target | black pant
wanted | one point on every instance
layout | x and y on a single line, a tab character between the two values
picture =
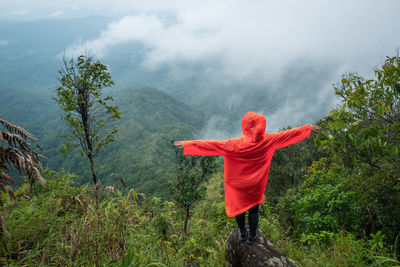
253	220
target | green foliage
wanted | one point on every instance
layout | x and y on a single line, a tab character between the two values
325	248
385	261
366	127
323	237
323	203
354	189
141	154
85	110
188	187
363	134
65	225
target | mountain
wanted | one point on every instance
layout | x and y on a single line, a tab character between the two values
30	56
142	153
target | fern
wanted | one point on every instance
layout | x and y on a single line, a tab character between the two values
16	151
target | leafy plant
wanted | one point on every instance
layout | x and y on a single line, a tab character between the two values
385	261
322	203
363	134
85	110
16	151
188	187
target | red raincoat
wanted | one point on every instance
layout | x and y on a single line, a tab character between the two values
247	159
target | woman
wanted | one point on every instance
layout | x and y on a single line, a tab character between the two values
247	161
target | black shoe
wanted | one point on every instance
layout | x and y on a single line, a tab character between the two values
251	239
242	236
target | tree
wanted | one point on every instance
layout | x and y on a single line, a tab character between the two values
86	111
188	187
323	202
366	126
363	133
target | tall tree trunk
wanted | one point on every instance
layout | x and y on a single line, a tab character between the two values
85	121
92	168
186	220
89	152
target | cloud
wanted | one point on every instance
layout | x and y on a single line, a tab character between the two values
56	13
127	29
213	129
20	12
4	42
263	37
257	44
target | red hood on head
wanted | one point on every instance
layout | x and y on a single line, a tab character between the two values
253	126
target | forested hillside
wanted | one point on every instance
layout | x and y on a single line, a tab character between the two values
141	154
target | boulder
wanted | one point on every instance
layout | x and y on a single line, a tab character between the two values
260	253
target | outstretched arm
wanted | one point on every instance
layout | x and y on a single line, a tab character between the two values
291	136
203	147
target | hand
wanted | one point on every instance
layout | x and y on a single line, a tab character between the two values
178	144
315	128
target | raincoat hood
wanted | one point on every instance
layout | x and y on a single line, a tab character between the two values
253	126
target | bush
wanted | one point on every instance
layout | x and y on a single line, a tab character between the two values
323	203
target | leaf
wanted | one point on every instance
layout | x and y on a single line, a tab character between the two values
4	226
39	177
395	150
8	178
18	154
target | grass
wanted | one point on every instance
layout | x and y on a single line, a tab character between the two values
64	225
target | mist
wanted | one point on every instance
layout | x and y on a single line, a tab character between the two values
288	52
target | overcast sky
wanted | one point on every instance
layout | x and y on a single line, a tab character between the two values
356	34
348	31
244	37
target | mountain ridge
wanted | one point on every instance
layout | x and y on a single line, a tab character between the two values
142	152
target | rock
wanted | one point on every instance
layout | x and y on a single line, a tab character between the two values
260	253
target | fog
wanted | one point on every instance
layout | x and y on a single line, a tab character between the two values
263	37
248	43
